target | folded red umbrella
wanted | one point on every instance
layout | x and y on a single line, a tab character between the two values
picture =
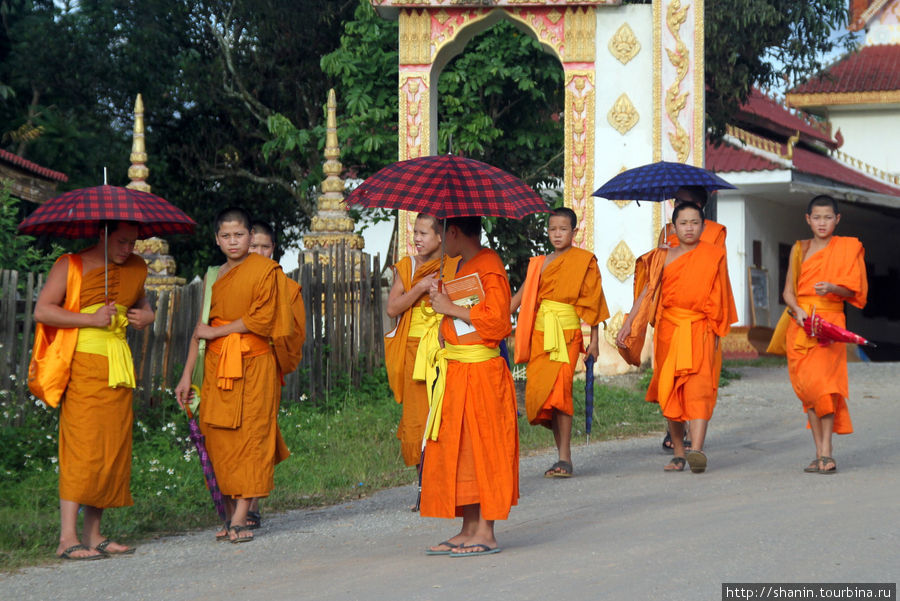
827	333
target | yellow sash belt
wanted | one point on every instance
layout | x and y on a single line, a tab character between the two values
802	342
110	342
553	319
680	358
421	320
436	376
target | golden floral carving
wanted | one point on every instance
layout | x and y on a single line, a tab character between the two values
676	100
621	261
415	37
613	325
581	26
579	152
623	116
442	17
624	45
554	16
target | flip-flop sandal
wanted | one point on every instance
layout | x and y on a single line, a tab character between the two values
812	468
445	543
239	537
823	461
67	554
697	461
254	520
560	469
667	445
104	548
485	550
677	464
224	536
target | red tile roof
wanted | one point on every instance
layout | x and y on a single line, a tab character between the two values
870	69
32	167
766	112
728	158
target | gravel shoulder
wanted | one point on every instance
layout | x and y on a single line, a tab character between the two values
621	529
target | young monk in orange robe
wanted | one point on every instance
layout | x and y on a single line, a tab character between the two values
694	311
471	466
714	233
288	349
561	290
409	300
96	412
832	272
240	392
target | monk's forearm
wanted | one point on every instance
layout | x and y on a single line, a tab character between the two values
235	327
403	302
457	312
516	300
57	317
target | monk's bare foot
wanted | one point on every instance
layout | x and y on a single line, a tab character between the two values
477	547
222	534
75	550
113	548
448	545
675	465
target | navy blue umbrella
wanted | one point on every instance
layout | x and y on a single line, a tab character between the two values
658	182
588	395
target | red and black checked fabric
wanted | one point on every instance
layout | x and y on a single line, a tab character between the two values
658	182
77	214
448	186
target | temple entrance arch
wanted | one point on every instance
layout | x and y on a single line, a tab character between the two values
634	94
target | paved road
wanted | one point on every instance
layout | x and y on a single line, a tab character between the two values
621	529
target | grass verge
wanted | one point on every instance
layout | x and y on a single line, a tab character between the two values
345	450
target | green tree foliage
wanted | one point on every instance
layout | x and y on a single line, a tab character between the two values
219	80
18	252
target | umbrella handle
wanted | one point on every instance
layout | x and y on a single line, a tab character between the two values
187	406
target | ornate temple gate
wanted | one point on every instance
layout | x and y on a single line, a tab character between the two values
634	94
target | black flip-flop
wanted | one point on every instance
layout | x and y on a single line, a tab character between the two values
67	554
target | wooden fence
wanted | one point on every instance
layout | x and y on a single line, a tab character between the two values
341	291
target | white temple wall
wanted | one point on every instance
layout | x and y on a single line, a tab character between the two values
869	135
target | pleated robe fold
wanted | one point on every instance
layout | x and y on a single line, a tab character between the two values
475	459
819	373
696	281
95	420
572	278
240	424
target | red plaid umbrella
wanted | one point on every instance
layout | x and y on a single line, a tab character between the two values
826	332
448	186
77	214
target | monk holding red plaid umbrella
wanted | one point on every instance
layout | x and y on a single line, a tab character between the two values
470	467
81	361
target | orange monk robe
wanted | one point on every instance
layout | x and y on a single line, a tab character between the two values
819	373
400	357
95	420
695	287
240	424
573	278
476	456
713	232
289	351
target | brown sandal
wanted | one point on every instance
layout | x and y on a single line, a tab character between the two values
812	468
676	465
242	534
825	460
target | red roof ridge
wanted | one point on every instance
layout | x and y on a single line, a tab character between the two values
15	159
870	68
787	121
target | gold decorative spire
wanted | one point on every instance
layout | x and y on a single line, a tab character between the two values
161	266
138	171
332	224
